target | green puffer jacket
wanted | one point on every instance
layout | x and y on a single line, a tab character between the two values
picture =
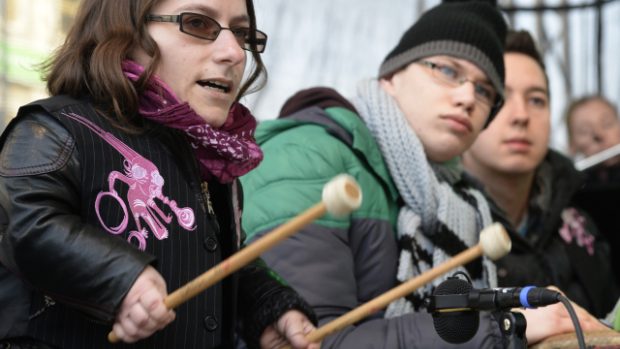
337	264
301	156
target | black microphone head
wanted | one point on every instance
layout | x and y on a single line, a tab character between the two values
455	326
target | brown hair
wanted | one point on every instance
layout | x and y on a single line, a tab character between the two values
103	34
521	41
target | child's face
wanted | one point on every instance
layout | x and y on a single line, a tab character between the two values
446	117
594	126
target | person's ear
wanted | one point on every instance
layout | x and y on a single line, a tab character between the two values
388	85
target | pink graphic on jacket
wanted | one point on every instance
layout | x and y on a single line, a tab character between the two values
574	227
145	185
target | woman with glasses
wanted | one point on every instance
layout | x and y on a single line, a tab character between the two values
122	186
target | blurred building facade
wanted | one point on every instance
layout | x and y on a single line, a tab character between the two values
29	31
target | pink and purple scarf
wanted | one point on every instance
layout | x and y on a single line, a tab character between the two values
224	153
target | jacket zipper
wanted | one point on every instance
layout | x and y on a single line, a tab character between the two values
204	186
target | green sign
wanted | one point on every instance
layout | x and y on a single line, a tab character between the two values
19	63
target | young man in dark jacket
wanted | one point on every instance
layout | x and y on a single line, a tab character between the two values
532	188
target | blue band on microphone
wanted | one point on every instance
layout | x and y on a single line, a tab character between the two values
523	296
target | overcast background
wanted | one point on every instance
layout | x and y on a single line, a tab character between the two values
337	42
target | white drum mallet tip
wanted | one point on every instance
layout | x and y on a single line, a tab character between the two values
495	241
341	195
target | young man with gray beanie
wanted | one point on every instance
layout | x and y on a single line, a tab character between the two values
401	138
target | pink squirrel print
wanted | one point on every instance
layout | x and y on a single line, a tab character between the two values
145	184
574	228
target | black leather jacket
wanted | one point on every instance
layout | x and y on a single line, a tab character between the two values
49	256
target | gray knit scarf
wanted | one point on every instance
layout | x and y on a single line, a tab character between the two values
442	216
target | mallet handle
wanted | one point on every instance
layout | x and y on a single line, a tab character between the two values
383	300
243	257
239	259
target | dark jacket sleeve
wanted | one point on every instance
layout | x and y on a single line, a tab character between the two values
264	296
594	281
45	241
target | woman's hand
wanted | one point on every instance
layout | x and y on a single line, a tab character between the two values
554	319
291	328
143	311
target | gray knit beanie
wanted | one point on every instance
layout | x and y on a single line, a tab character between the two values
470	30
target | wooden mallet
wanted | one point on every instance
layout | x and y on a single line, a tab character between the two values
494	243
340	196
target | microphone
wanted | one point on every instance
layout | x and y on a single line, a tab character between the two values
454	326
455	305
495	299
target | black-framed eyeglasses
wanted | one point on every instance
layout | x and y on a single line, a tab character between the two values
452	76
207	28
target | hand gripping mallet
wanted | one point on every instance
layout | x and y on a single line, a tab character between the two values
340	196
494	243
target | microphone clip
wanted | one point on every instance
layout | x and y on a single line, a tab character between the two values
512	325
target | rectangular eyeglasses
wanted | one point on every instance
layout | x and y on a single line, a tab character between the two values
207	28
452	76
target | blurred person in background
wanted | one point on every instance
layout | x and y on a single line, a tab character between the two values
593	126
593	130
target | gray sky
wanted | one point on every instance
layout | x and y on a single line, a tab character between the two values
336	42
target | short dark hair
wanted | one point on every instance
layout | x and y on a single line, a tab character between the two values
521	41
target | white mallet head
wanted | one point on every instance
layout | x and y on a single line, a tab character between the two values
495	241
341	195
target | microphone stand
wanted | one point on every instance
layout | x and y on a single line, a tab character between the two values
512	325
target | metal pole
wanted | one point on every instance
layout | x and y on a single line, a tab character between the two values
566	66
4	64
599	46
